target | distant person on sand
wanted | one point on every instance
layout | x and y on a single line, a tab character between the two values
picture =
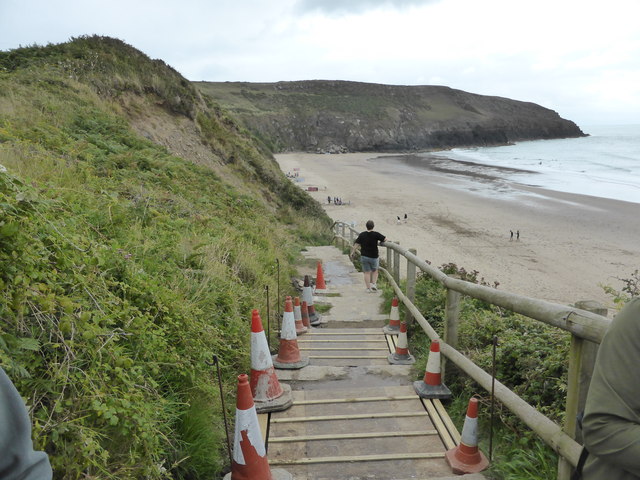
518	235
398	216
612	412
329	200
511	238
369	257
405	218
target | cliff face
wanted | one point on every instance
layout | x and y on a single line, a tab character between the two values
336	116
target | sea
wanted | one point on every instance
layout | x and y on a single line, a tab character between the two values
604	164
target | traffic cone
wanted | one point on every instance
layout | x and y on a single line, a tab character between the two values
249	453
321	287
297	315
432	386
307	295
268	394
394	319
289	354
402	355
304	311
467	457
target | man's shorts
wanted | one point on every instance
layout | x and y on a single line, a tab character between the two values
369	264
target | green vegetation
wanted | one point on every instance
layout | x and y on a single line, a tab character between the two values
124	268
340	116
630	289
531	360
304	98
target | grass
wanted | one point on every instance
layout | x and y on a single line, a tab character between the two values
531	360
124	268
319	115
323	307
516	452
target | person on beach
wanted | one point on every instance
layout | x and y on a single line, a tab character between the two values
369	256
510	239
611	423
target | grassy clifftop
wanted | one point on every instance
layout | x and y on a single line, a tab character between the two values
337	116
139	225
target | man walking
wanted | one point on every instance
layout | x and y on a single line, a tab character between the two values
369	257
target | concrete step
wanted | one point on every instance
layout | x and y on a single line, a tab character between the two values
355	416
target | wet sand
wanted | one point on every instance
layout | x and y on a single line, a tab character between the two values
462	213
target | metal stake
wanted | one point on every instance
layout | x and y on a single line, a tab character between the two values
493	384
266	287
224	410
278	266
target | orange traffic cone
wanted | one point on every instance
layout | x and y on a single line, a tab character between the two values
307	295
432	386
297	315
467	457
394	319
402	355
268	394
304	311
321	287
289	354
249	453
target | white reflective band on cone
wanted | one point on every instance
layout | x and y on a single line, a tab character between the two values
260	355
288	331
247	420
470	432
307	295
433	362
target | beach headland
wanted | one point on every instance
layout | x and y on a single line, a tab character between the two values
568	247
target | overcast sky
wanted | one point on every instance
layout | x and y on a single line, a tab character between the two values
578	57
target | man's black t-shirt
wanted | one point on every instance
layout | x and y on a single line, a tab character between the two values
368	242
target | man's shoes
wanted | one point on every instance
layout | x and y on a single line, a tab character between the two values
369	290
374	287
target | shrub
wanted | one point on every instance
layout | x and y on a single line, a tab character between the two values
531	360
124	269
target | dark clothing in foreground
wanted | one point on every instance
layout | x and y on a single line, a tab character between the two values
18	460
611	424
368	242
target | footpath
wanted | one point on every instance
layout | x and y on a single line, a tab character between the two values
355	416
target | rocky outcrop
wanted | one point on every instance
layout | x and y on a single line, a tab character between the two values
336	116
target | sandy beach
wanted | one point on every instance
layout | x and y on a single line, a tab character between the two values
569	244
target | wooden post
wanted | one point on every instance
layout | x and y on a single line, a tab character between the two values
582	358
411	287
451	321
396	266
389	262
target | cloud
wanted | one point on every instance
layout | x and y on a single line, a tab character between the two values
575	57
342	7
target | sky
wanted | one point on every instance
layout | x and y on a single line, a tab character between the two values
580	58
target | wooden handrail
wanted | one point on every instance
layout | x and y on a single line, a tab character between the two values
549	431
580	323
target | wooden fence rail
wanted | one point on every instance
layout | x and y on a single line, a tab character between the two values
587	328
